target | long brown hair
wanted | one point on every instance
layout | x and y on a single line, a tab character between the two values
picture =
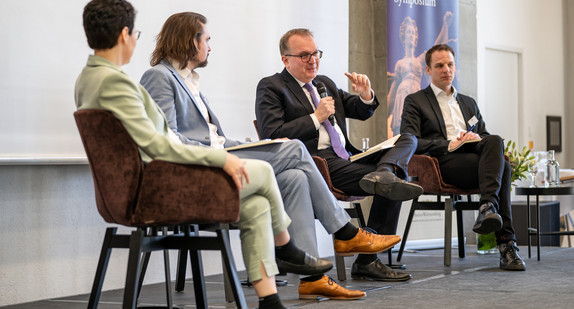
176	39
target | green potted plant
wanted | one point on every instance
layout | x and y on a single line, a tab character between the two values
519	161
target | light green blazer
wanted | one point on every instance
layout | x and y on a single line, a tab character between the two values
103	85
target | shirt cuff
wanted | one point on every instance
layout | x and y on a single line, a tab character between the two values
315	121
371	101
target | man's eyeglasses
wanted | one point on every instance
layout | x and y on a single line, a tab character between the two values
138	33
307	57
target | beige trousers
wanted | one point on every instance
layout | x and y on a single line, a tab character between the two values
261	217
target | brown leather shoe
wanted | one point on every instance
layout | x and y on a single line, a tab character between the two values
328	288
365	242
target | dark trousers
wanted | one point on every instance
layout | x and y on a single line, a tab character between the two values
345	176
483	165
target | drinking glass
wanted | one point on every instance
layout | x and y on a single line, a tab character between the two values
533	170
365	144
540	159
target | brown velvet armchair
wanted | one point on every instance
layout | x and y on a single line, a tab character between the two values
151	197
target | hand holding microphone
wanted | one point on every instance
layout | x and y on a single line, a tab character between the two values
323	94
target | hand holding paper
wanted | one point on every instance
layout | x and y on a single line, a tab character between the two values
465	137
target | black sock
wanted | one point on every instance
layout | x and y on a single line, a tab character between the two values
386	167
290	253
312	278
364	259
346	232
270	302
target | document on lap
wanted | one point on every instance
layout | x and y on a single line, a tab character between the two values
390	143
256	144
464	143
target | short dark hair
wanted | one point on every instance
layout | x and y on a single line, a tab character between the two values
283	42
176	39
104	20
435	49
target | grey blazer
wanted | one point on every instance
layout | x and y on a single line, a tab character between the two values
169	91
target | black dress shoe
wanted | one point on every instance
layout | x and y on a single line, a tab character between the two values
509	258
488	220
387	185
377	271
312	266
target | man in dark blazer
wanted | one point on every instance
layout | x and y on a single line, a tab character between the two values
442	120
288	105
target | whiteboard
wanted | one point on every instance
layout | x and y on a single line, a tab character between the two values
44	49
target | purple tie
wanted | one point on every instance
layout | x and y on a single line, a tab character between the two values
335	139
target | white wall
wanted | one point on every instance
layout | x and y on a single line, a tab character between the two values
50	231
44	48
535	29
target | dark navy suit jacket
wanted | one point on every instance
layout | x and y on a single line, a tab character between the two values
422	118
282	109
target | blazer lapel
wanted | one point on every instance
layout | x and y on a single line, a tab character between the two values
464	108
181	83
436	109
213	119
297	91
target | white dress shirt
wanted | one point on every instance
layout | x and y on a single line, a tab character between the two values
191	79
451	112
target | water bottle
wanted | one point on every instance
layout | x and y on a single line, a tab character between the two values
552	171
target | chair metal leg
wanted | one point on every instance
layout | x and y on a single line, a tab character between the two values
355	213
228	290
227	284
340	265
133	272
102	267
460	233
391	264
407	229
359	214
144	263
197	271
181	268
167	270
223	236
447	230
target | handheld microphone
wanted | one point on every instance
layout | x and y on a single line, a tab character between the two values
323	93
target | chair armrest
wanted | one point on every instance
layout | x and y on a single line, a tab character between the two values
427	170
324	170
178	193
